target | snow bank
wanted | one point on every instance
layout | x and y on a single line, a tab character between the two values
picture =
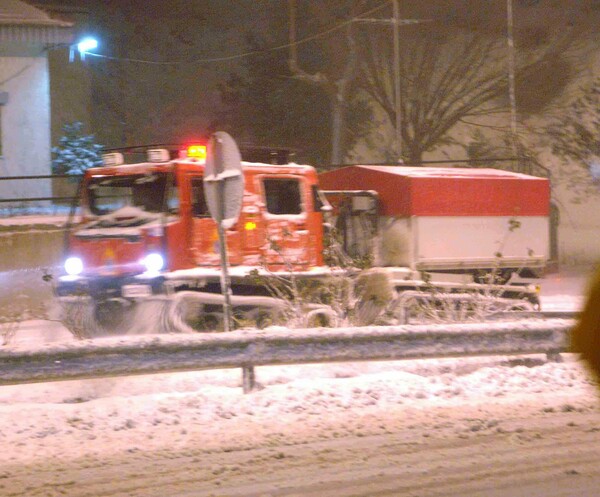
208	409
141	413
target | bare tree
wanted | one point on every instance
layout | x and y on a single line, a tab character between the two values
455	71
574	136
336	82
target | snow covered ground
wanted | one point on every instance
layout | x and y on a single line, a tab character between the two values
33	220
48	431
566	289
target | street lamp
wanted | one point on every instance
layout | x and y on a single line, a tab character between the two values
84	46
87	44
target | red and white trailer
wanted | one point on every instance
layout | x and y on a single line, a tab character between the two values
436	219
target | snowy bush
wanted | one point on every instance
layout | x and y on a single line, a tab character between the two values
76	152
26	298
307	302
21	308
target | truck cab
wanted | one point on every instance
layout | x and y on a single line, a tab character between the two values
143	231
153	215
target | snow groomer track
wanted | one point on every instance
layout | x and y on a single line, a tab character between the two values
547	333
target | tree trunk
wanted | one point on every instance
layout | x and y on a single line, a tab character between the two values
337	88
337	122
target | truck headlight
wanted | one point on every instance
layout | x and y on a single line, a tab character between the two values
73	266
153	263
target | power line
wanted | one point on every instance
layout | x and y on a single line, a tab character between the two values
245	54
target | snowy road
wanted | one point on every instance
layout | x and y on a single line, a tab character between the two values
470	427
433	428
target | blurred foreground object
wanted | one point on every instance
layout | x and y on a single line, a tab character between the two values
586	335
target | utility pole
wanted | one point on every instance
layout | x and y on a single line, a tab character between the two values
396	22
397	95
511	77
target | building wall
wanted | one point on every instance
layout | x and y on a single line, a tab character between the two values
25	123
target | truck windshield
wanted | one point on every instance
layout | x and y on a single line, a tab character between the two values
145	192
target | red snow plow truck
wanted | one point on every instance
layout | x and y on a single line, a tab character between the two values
363	244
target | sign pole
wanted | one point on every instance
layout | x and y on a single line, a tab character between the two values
225	280
223	189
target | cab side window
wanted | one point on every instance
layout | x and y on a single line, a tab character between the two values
282	196
199	207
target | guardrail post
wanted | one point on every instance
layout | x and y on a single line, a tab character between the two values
248	378
554	356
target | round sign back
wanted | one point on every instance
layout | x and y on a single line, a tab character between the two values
223	179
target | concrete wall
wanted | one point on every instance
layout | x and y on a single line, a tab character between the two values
27	253
31	247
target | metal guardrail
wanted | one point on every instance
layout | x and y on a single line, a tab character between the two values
108	357
57	198
41	176
519	315
35	199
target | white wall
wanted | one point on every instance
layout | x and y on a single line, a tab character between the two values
579	227
25	125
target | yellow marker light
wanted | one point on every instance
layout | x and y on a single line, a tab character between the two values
109	255
250	225
197	152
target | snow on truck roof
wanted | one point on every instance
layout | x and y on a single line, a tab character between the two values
134	168
444	172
